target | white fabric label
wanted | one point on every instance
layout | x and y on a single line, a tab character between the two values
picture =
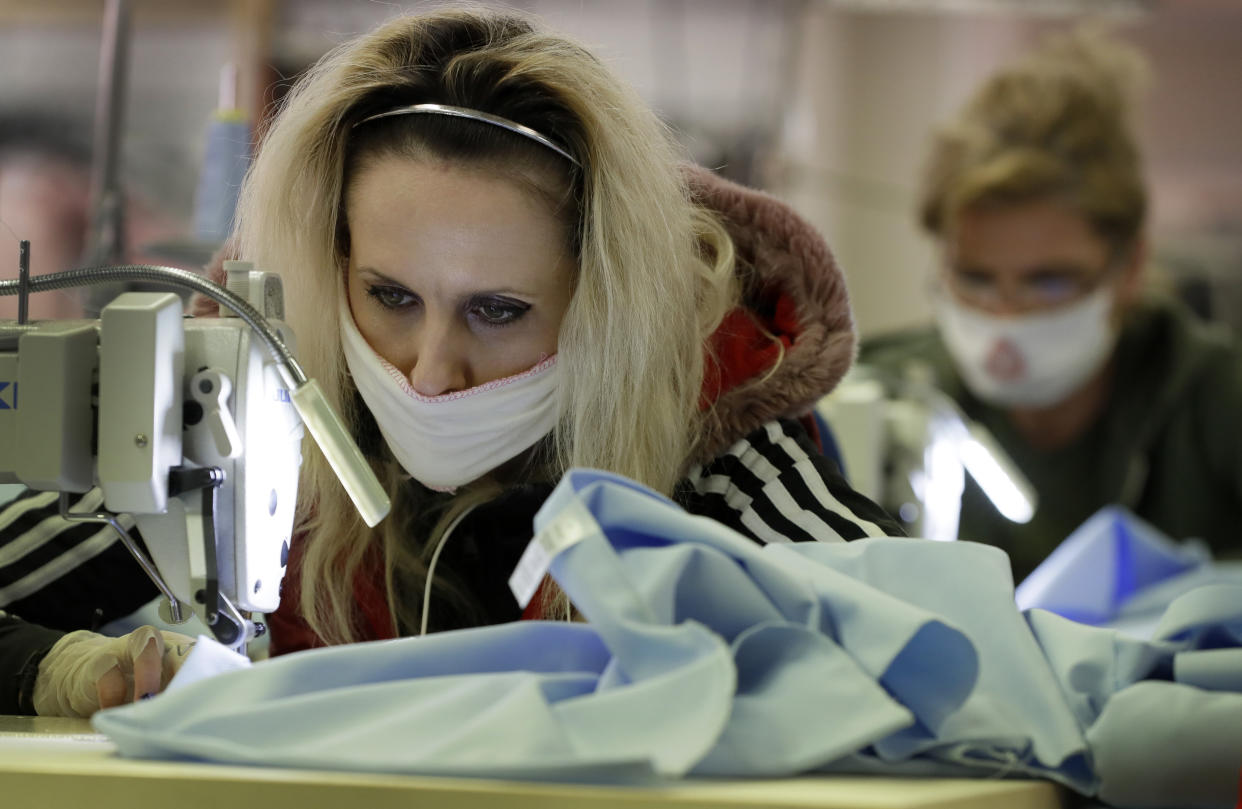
570	527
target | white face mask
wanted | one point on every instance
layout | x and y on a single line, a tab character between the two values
1030	360
447	441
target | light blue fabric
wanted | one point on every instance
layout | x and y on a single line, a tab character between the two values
1161	744
502	701
1014	718
1109	561
708	654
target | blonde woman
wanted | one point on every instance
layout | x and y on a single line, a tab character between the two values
1102	392
495	264
496	268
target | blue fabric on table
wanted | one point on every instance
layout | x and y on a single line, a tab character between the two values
708	654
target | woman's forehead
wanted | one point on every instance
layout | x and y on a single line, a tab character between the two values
409	217
1024	236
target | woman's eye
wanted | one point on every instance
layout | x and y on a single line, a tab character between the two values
498	313
1053	288
1055	285
391	297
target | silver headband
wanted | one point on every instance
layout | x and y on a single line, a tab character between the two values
474	115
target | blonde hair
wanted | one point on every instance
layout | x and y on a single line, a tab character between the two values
654	275
1053	125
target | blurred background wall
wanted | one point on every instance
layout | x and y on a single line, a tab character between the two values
826	103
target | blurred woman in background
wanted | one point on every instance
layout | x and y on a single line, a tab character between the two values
1102	391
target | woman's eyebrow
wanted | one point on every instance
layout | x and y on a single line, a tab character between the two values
381	276
517	295
971	268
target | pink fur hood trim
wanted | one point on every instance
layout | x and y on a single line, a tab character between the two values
779	254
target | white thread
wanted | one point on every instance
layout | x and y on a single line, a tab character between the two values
431	567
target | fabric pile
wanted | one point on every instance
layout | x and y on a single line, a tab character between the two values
706	654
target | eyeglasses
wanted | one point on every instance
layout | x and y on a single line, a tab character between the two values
1043	288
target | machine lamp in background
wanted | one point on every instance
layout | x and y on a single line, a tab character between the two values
1008	489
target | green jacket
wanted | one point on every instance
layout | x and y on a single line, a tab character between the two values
1168	445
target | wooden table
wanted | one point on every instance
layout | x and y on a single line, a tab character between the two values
49	763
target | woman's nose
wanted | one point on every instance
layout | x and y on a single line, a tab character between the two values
439	365
1006	300
1005	306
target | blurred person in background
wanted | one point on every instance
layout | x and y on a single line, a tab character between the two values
1100	389
45	198
45	178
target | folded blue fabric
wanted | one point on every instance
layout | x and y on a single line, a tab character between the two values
704	654
1104	564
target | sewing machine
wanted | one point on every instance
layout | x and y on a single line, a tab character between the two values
192	427
906	445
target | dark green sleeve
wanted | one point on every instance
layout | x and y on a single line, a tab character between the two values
22	647
1228	426
1218	409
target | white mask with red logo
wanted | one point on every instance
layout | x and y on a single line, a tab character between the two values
1028	360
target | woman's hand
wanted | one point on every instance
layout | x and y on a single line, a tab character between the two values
85	671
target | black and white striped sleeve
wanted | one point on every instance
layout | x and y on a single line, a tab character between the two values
775	486
66	575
